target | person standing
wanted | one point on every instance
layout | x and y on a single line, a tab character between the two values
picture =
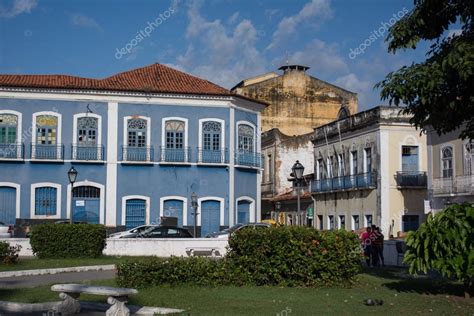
379	242
367	245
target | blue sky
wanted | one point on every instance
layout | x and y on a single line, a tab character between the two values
223	41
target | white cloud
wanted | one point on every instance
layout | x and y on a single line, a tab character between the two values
233	18
319	9
363	88
454	32
82	20
324	59
19	7
225	56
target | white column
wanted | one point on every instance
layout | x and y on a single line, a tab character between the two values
258	210
231	165
112	158
384	163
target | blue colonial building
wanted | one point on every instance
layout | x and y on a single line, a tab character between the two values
142	141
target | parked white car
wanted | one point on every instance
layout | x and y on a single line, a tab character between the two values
6	231
226	233
131	232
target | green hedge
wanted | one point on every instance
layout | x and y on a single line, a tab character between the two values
284	256
68	240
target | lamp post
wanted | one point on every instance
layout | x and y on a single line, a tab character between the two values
194	204
297	173
72	175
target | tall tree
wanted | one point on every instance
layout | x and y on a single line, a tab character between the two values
439	92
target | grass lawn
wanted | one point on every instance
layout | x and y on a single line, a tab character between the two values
402	295
34	263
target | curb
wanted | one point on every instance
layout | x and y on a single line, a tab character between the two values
9	274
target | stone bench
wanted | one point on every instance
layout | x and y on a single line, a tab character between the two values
69	293
205	251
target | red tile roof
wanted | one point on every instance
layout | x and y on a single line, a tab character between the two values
155	78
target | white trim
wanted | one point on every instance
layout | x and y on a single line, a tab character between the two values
211	198
148	134
353	221
33	198
111	181
19	129
231	165
185	206
99	131
17	197
58	132
140	197
163	135
200	144
258	213
101	187
453	148
382	213
251	207
254	134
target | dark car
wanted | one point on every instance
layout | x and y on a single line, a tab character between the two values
162	232
232	230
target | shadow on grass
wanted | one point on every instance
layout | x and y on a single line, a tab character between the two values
431	283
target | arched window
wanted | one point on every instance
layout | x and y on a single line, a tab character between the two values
175	134
87	128
246	138
46	130
8	128
211	135
447	161
343	113
47	136
137	132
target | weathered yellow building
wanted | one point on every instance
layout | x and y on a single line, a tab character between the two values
298	101
370	169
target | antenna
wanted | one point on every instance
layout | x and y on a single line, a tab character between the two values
287	57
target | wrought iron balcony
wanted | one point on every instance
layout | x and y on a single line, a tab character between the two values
412	179
248	159
137	154
87	153
13	151
172	155
47	152
351	182
453	185
213	156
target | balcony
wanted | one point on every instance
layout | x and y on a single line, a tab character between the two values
411	179
351	182
137	154
248	159
14	151
175	155
47	152
207	156
453	185
88	153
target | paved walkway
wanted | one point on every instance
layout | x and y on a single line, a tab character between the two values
69	277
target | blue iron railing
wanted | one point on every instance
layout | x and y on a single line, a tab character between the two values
249	159
175	154
47	152
87	153
12	151
358	181
213	156
137	154
412	179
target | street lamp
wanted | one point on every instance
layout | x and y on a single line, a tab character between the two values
297	173
72	175
194	204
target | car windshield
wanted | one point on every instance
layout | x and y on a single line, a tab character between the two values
233	228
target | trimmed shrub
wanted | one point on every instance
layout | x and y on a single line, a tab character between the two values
68	241
172	271
9	254
293	256
284	256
